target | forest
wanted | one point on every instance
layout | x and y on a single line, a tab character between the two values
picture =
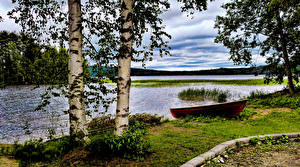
24	61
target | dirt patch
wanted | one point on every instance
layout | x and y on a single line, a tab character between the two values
75	157
262	112
283	155
8	162
282	159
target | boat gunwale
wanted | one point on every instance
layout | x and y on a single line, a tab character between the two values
209	105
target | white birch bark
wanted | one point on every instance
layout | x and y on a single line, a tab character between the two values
78	125
124	64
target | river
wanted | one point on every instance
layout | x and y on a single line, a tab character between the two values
17	103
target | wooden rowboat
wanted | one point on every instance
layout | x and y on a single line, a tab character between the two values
229	109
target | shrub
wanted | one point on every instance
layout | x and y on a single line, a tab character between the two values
30	151
36	151
56	148
130	145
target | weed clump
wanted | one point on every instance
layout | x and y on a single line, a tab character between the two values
36	150
202	94
130	145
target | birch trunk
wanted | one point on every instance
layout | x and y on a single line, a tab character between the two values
124	65
287	63
78	126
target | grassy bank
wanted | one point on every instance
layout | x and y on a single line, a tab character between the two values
177	141
185	82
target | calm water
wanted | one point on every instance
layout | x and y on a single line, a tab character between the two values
17	105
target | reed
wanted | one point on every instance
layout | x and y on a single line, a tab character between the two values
202	94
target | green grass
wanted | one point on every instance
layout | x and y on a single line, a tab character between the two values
202	94
175	142
185	82
277	99
186	140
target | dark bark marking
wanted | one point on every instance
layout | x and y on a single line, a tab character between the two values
75	39
124	115
123	126
74	51
128	83
78	27
73	107
123	6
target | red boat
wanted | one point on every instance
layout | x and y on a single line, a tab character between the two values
229	109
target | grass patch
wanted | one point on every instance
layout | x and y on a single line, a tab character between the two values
159	84
277	99
186	82
202	94
194	139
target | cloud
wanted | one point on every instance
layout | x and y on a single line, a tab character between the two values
7	24
192	42
6	4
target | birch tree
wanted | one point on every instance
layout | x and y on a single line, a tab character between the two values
117	37
46	20
124	65
77	115
135	15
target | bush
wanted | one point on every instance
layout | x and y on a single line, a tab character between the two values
36	150
55	149
30	151
130	145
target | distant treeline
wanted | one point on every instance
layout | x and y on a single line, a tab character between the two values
220	71
24	61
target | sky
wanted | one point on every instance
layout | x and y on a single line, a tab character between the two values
192	42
